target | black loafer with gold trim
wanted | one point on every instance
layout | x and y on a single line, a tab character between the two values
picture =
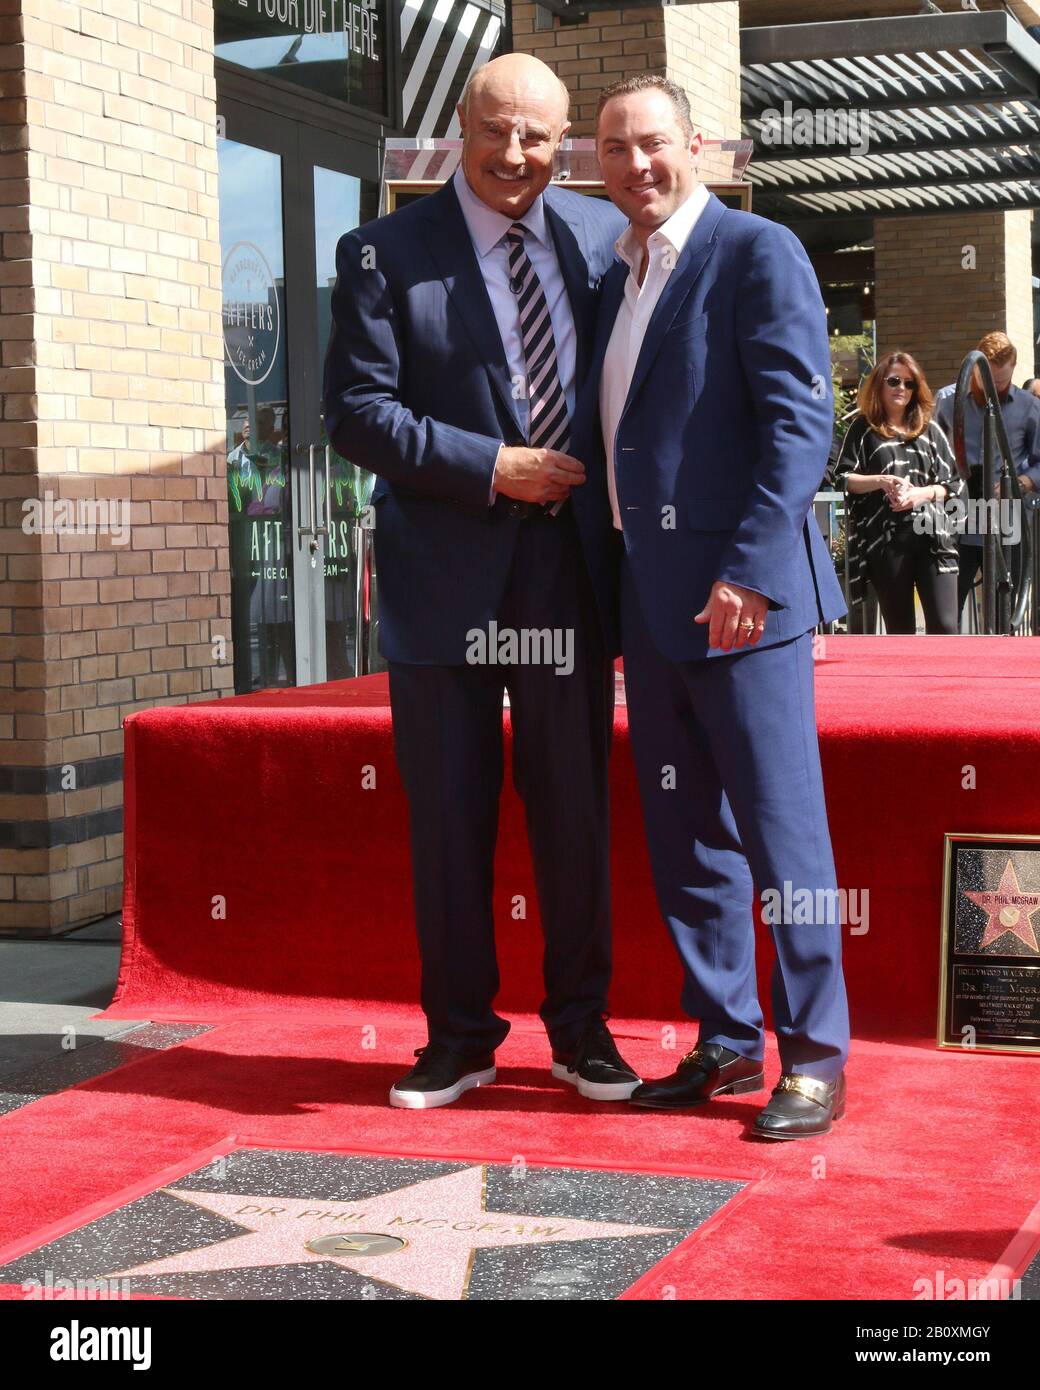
801	1108
709	1070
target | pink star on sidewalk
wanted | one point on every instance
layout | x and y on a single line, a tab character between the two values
442	1220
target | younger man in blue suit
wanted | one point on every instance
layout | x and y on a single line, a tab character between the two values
706	419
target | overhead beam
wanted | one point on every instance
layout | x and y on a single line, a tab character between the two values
792	214
884	149
908	181
866	38
786	209
946	100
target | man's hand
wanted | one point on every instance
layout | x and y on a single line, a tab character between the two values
737	616
536	475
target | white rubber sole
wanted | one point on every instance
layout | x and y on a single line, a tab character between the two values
594	1090
429	1100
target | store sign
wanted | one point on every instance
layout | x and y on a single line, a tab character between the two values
335	47
356	20
251	316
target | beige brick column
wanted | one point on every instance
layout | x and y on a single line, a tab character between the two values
942	282
696	45
111	378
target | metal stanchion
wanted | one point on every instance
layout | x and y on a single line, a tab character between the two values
362	596
1004	599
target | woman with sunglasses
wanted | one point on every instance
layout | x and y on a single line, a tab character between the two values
897	470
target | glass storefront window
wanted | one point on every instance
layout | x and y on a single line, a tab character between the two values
337	48
256	396
350	639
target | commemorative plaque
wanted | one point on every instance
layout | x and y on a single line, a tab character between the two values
989	988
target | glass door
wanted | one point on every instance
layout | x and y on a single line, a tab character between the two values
350	624
301	590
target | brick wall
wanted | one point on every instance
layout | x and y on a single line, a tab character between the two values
696	46
703	48
111	377
930	305
1018	295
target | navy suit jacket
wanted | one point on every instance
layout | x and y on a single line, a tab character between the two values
725	433
417	390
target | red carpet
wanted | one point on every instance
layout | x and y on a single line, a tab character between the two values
259	802
930	1175
258	805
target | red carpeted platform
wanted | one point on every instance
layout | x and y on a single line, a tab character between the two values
268	894
265	873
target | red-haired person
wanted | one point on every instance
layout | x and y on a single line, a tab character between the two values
897	470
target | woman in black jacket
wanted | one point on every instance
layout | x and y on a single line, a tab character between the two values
897	470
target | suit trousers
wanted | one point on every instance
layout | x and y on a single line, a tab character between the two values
448	740
728	764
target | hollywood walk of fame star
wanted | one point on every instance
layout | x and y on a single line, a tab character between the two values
443	1220
1009	910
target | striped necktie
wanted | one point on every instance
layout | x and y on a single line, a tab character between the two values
548	424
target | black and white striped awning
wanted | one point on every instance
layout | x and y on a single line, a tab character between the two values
927	114
442	43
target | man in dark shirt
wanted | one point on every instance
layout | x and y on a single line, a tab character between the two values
1021	411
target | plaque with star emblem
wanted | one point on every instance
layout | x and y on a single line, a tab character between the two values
989	985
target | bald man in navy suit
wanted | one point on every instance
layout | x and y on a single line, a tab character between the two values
462	328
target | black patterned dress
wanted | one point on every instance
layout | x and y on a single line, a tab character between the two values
869	520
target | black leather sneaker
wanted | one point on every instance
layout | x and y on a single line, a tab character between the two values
440	1076
595	1066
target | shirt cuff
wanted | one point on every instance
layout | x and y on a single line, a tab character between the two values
491	494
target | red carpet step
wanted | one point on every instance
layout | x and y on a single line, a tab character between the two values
267	857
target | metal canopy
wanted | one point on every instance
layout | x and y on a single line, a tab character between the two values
918	115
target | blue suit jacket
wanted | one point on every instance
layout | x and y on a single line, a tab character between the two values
417	390
725	433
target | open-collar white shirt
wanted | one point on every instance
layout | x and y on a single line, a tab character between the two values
664	246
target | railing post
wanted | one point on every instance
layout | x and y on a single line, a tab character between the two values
999	613
989	537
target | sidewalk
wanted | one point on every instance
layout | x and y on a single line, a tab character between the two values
48	991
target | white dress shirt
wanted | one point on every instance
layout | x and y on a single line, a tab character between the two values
664	246
487	230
